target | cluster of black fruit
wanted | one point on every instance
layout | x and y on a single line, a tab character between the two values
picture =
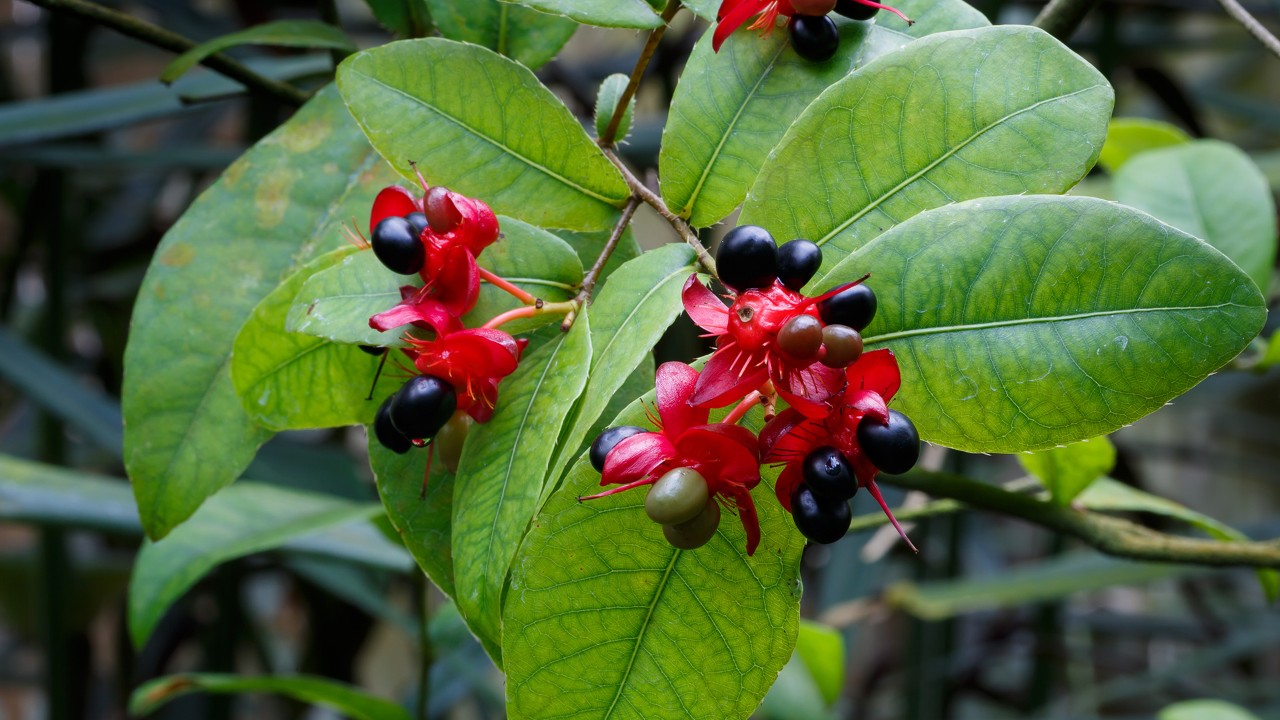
749	259
680	501
813	34
397	241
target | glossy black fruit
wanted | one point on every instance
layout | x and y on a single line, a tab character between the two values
894	448
386	433
372	349
814	37
450	439
855	308
813	7
747	258
422	406
798	260
822	521
417	221
855	10
801	337
827	473
696	532
606	441
677	497
441	213
397	246
843	344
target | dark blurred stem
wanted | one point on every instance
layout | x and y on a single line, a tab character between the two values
1060	18
329	14
1049	651
423	593
161	38
655	36
1250	23
54	576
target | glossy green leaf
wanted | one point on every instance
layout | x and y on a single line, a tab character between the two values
1205	710
502	473
424	521
1066	471
285	33
608	620
731	108
526	36
288	380
605	13
51	495
821	648
1127	137
246	519
482	125
1021	323
337	303
1211	190
607	104
971	113
186	433
629	316
1108	495
348	700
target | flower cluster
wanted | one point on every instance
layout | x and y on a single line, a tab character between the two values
772	342
814	36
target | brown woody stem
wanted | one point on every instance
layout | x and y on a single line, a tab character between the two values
655	36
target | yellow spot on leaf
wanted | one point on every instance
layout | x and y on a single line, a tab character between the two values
271	200
306	137
177	255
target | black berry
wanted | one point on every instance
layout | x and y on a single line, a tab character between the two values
855	308
747	258
386	433
606	441
798	260
822	521
855	10
397	246
843	344
827	473
422	406
894	448
814	37
372	349
417	221
677	497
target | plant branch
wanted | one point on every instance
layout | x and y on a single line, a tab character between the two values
655	35
1111	535
589	280
167	40
1250	23
1060	18
650	198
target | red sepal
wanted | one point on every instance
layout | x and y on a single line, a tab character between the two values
728	376
636	458
675	382
704	308
392	201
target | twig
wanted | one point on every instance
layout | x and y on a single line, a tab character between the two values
589	280
1111	535
1250	23
1060	18
655	35
650	198
165	39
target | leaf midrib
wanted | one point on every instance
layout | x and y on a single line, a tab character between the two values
974	327
945	156
644	627
494	142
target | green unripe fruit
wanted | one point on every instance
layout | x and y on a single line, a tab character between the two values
844	346
677	497
696	532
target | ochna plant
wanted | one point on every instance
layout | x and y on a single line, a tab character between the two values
905	267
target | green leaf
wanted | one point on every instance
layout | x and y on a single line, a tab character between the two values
246	519
1211	190
50	495
484	126
287	380
589	244
821	648
1127	137
424	522
526	36
731	108
286	33
404	18
1271	357
794	696
605	13
629	316
502	471
705	9
607	104
1205	710
349	701
999	110
337	303
1021	323
187	434
1108	495
1066	471
608	620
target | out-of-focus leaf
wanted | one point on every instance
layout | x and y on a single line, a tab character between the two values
607	104
348	700
245	519
1127	137
527	36
285	33
186	432
1211	190
605	13
482	125
794	696
1205	710
49	495
405	18
1066	471
821	648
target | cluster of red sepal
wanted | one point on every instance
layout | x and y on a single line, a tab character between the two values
813	34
